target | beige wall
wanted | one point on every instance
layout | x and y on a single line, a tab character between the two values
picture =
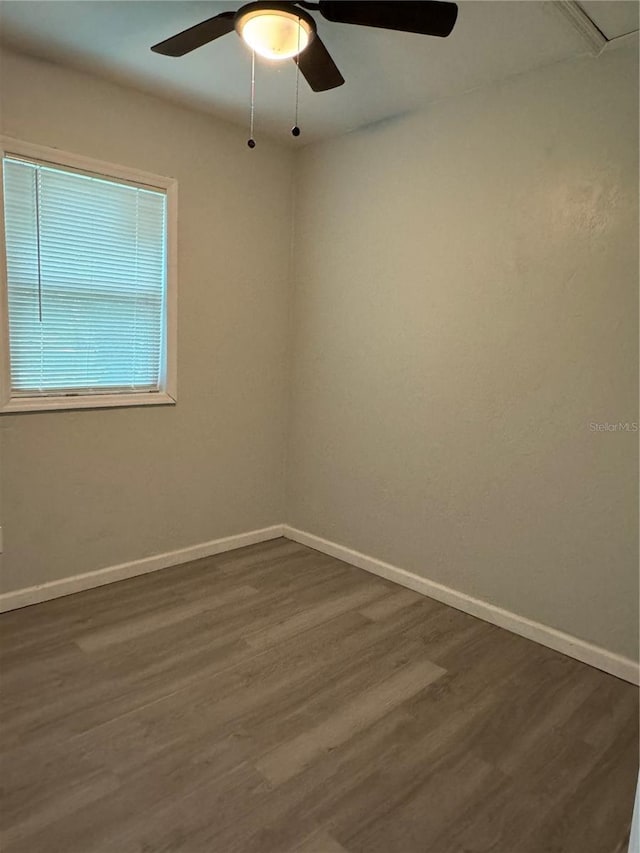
87	489
466	305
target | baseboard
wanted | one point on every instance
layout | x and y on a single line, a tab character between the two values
66	586
596	656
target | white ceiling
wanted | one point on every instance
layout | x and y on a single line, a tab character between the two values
387	73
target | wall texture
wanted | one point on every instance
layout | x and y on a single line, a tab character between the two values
466	306
88	489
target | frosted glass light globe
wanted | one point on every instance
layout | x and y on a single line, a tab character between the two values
275	34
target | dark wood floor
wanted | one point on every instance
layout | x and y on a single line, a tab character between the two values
273	700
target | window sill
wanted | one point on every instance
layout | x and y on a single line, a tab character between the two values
86	401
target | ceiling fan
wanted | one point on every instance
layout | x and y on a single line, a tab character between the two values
287	31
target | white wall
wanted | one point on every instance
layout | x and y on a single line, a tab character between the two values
466	305
88	489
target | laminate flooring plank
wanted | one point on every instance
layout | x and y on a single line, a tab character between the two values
216	708
308	673
584	817
522	724
100	696
411	763
167	802
391	604
443	633
320	842
35	673
266	822
277	689
347	786
612	708
109	691
508	815
222	627
197	820
312	616
159	620
289	759
441	729
429	804
140	717
114	602
270	554
32	782
325	691
63	802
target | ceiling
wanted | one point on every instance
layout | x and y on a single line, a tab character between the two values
613	19
387	73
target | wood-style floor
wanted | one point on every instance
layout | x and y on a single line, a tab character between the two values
273	700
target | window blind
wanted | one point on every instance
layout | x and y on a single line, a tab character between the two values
86	276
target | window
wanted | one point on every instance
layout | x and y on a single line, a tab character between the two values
88	301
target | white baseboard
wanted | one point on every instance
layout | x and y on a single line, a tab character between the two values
596	656
77	583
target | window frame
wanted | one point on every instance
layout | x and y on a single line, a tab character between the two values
167	395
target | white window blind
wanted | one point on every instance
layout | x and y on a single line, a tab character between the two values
86	277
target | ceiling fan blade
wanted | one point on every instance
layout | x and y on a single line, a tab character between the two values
431	18
317	67
196	36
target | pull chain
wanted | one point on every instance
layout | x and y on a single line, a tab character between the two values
295	130
251	142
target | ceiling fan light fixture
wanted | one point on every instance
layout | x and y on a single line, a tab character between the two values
275	31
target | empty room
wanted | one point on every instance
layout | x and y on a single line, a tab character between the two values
319	421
